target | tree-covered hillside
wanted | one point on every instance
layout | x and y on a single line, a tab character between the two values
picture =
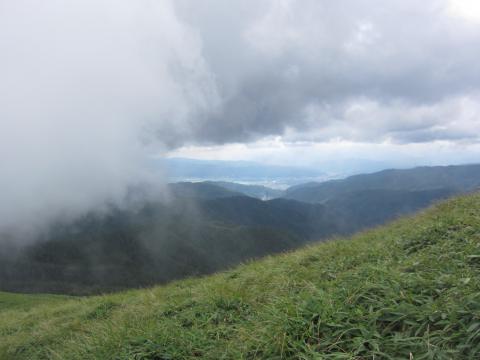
161	241
202	229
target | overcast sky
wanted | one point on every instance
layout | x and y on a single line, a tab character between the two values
90	88
295	76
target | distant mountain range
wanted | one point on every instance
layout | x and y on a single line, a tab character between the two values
219	189
207	226
184	169
459	178
180	169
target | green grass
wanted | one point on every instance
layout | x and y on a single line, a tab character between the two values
19	302
409	290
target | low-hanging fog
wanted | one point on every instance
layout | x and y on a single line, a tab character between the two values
90	89
87	89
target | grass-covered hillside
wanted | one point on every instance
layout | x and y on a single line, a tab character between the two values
409	290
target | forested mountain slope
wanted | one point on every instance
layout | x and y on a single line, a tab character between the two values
161	241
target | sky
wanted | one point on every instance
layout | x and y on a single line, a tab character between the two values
392	81
90	89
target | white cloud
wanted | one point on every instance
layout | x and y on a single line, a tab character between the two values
338	156
81	83
368	120
467	9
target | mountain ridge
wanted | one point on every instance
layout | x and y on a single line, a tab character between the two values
459	177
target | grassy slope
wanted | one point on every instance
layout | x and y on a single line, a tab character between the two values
408	288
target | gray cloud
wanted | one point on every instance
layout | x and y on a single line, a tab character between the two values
283	57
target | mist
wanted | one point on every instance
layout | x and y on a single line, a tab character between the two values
87	93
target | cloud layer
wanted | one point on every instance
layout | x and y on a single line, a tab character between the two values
315	65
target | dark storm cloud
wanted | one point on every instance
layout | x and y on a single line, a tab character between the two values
285	56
